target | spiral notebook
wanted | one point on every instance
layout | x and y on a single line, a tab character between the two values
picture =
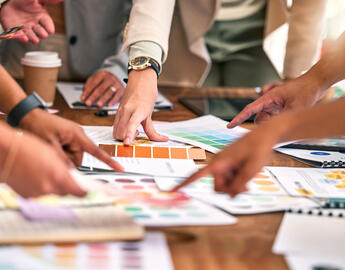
316	232
316	158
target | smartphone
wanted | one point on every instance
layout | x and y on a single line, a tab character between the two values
224	108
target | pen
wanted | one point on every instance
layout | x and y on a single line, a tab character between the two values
105	113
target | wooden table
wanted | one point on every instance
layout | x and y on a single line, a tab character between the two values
245	245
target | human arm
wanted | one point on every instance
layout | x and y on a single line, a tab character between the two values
304	91
35	172
32	15
149	21
233	167
65	136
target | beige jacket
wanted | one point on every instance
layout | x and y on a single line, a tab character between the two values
292	35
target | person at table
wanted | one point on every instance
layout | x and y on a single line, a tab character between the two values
233	167
87	36
198	26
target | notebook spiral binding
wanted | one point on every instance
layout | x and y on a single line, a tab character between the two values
333	208
333	164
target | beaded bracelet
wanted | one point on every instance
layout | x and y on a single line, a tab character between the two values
12	153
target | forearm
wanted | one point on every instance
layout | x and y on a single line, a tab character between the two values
331	68
10	92
321	121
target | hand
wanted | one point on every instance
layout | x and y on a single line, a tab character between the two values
301	92
32	15
68	138
38	169
136	107
233	167
98	88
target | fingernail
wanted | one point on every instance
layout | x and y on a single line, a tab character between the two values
127	141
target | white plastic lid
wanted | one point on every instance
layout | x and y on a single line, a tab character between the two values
41	59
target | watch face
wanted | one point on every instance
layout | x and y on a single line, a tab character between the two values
139	61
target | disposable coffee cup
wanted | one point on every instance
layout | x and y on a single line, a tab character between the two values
40	74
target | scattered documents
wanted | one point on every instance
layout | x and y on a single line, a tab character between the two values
71	92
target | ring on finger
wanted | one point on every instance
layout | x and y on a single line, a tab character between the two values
113	89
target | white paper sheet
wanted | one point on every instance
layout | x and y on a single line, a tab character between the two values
152	253
302	262
314	235
71	92
154	167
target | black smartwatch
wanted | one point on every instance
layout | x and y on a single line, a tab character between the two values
24	107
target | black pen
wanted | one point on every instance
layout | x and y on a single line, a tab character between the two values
105	113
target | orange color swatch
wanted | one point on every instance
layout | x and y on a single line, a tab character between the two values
178	153
143	152
160	152
124	151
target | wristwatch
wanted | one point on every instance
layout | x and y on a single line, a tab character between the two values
143	62
24	107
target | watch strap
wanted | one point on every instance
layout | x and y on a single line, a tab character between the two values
24	107
155	67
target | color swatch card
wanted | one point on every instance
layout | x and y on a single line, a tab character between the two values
260	201
303	262
151	207
323	159
71	92
207	132
148	151
311	182
154	166
152	253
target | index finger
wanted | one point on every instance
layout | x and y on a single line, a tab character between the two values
247	112
195	176
91	148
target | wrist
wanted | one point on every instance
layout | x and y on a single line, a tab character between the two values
30	118
278	128
146	74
